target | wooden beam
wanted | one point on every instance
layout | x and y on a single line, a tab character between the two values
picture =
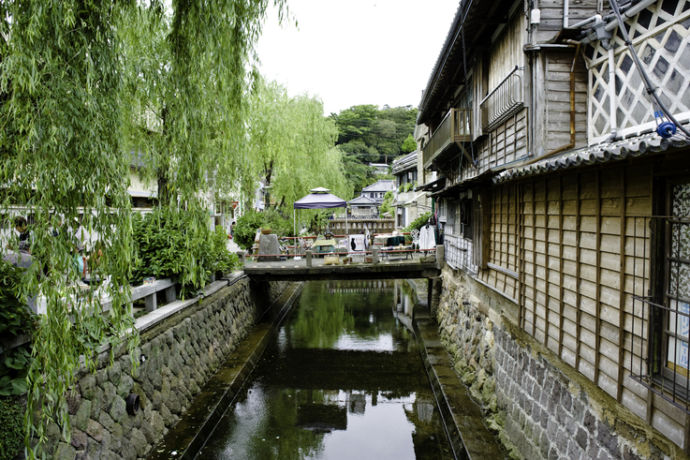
534	259
578	297
597	287
520	223
621	290
546	263
560	256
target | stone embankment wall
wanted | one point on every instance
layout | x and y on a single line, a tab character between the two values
540	408
177	357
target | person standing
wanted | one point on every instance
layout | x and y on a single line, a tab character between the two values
23	234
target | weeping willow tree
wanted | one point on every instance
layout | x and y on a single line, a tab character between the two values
291	145
85	86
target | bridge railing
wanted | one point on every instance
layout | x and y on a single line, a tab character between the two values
373	255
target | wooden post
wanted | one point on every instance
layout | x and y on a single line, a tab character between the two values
375	255
308	253
520	224
578	296
434	295
440	255
621	292
547	309
561	304
534	259
597	287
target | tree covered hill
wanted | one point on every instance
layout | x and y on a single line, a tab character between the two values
367	134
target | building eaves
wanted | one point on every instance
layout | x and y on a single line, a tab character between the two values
596	154
470	25
432	186
405	163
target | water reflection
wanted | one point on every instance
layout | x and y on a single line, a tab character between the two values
343	380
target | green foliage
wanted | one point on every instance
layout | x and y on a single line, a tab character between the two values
222	260
12	433
418	222
406	187
15	320
245	228
60	102
358	174
409	145
290	146
386	208
82	84
372	134
14	367
178	245
250	222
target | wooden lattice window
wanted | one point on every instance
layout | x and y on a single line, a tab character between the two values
661	36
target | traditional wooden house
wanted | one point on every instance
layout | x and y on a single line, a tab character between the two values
564	198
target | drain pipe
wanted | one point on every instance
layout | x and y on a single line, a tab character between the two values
613	123
611	22
593	19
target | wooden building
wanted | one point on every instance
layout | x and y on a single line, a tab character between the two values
409	203
566	220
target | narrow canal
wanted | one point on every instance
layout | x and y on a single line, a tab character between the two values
343	379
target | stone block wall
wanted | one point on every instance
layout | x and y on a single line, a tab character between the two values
538	405
176	358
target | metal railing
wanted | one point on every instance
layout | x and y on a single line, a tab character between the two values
458	252
660	339
503	100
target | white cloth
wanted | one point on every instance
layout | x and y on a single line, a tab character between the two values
427	239
356	243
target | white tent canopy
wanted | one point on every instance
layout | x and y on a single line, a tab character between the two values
319	198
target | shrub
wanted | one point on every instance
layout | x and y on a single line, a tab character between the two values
174	244
12	433
250	222
418	222
181	246
387	205
15	320
222	260
245	228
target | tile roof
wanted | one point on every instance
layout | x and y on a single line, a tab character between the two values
363	201
595	154
380	186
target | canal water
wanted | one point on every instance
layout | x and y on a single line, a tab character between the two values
343	379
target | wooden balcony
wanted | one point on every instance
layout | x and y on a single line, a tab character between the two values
455	128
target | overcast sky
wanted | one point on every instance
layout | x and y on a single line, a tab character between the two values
350	52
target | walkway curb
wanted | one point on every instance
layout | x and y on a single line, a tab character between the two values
462	417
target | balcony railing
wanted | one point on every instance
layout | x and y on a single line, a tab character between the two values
458	252
456	127
503	101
